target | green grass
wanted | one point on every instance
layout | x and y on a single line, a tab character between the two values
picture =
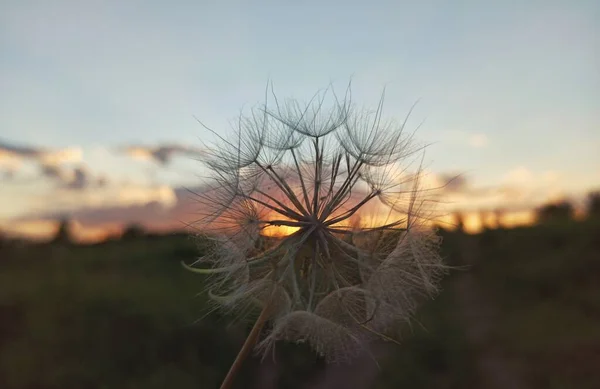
117	315
546	284
125	315
433	351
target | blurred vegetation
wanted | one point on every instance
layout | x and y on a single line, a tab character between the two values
63	234
555	213
545	282
133	231
124	314
593	205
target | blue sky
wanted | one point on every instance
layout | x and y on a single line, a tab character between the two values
505	86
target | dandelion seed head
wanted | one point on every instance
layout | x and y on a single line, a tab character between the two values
285	212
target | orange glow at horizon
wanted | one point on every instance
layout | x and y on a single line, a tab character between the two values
41	230
473	223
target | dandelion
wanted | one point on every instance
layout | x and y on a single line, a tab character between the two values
315	215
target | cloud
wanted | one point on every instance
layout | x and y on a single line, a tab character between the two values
519	175
80	180
14	154
518	189
478	140
452	182
161	154
156	207
8	151
53	171
113	195
107	210
464	138
7	174
73	178
53	164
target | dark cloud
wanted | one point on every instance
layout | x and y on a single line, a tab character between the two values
80	179
38	154
53	171
21	151
54	165
74	178
162	154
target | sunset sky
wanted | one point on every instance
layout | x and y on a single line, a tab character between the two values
98	98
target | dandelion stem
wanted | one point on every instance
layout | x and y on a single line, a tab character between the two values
247	346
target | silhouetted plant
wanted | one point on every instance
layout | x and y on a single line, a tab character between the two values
555	213
133	231
593	205
301	173
484	221
459	222
63	233
499	218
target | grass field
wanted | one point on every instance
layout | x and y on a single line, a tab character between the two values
523	305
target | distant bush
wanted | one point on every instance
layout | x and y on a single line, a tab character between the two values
3	240
593	205
133	231
63	233
459	222
555	213
499	217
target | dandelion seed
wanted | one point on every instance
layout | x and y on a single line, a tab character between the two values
284	212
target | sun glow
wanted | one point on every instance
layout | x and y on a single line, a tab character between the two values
283	231
279	231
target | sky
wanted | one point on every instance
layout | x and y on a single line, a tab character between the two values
99	99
